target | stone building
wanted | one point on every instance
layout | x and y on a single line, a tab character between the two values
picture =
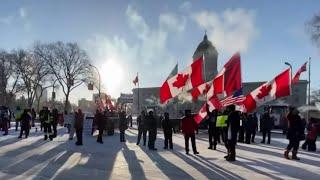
149	97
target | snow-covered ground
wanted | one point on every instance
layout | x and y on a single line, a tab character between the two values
34	158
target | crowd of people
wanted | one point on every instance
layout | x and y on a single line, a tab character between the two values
229	125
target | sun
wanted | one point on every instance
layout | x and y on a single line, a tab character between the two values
111	76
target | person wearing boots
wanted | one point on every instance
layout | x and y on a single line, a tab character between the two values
167	131
100	124
266	124
123	125
213	131
242	129
233	124
142	129
47	123
295	133
5	119
25	123
152	129
78	125
251	127
189	126
55	118
313	130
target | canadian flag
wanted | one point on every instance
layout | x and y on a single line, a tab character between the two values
302	69
226	82
188	79
280	86
202	89
228	79
213	104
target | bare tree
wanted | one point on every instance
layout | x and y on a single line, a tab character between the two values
313	27
33	72
68	63
9	78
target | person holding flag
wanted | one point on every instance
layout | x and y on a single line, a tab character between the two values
233	125
188	126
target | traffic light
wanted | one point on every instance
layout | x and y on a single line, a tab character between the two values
53	95
90	86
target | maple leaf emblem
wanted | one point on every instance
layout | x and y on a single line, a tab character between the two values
264	91
206	89
181	80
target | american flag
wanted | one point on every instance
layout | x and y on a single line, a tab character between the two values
236	98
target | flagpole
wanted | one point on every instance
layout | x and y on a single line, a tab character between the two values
309	89
138	93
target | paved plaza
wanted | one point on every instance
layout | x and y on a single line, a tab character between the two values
34	158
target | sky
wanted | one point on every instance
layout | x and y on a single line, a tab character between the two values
150	37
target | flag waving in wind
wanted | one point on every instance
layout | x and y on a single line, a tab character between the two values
136	80
302	69
228	79
184	81
280	86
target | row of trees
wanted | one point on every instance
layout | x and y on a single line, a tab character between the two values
30	72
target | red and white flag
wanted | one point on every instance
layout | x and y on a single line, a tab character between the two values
302	69
280	86
213	104
228	79
202	89
136	80
190	78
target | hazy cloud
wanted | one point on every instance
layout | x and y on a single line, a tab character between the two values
185	6
233	30
172	22
6	20
23	12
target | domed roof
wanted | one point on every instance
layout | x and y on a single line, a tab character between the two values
204	45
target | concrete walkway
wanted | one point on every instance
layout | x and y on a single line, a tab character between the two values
34	158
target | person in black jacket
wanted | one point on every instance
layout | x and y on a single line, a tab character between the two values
213	131
78	125
55	118
142	128
100	124
25	123
251	127
167	131
123	125
295	133
152	128
233	124
243	124
266	124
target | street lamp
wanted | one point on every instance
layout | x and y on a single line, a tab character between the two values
288	64
99	88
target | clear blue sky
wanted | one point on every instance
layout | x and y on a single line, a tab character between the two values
149	37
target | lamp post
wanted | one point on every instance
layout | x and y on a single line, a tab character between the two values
288	64
99	87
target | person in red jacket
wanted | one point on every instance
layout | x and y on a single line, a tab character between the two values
189	127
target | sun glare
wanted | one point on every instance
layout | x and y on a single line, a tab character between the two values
111	76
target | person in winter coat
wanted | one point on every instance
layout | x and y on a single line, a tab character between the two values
152	129
123	125
100	124
313	130
295	133
47	123
5	119
189	126
142	128
167	131
78	125
251	128
34	116
25	123
233	125
266	124
213	131
242	128
55	117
